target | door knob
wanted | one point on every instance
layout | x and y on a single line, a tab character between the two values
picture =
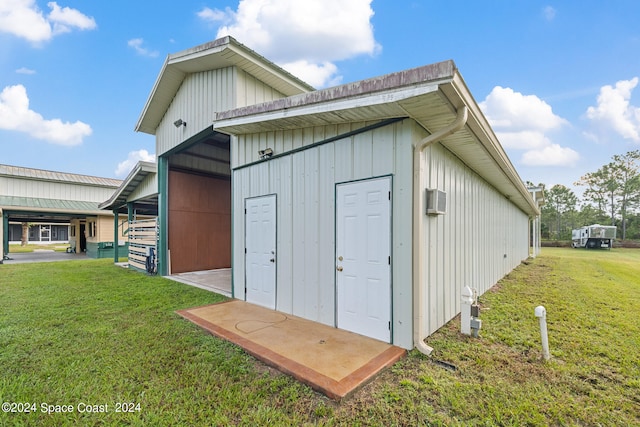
339	268
272	260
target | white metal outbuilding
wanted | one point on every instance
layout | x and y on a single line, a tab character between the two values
342	156
368	206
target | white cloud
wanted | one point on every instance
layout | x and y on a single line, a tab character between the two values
615	112
523	122
524	140
24	19
15	115
506	108
215	15
133	158
24	70
136	44
549	13
551	155
308	36
316	74
64	19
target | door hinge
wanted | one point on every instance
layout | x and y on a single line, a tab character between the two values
245	251
389	195
389	259
389	325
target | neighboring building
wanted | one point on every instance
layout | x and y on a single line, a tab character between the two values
137	199
368	206
58	207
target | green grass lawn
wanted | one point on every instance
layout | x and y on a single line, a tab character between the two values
89	333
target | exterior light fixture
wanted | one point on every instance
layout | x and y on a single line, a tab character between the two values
179	123
266	153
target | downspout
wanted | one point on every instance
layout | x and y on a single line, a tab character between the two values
418	205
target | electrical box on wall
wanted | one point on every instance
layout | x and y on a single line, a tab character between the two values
436	202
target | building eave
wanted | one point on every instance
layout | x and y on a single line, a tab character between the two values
221	53
119	198
430	95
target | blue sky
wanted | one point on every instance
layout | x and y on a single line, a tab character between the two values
558	80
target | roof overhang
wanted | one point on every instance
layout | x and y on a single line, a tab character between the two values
120	197
31	209
430	95
221	53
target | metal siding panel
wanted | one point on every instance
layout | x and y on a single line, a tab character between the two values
147	187
287	140
383	151
402	200
241	190
326	237
278	146
311	234
298	242
362	155
281	184
298	138
479	228
195	103
344	160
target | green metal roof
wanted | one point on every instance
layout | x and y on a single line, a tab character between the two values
14	203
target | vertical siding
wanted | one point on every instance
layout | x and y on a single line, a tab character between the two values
148	187
37	188
246	147
199	97
466	246
480	239
203	94
304	183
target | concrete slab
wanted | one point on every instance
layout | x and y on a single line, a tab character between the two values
330	360
42	256
218	281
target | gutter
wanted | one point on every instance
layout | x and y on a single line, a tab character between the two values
418	205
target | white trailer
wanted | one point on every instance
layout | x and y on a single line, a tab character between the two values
593	236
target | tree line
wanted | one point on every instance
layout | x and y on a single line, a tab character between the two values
611	197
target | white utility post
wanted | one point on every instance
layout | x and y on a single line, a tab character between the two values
465	310
541	314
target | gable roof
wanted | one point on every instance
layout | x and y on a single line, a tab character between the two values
52	176
118	199
220	53
430	95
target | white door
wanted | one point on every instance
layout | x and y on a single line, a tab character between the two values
260	247
363	257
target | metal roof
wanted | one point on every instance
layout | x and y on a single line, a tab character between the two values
49	206
51	176
131	182
430	95
221	53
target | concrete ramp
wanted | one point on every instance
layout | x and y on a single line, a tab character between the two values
330	360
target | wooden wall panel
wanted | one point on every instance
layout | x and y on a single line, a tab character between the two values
199	222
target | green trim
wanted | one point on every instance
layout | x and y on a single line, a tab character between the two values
233	216
102	249
116	236
38	214
5	233
199	137
163	212
349	134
